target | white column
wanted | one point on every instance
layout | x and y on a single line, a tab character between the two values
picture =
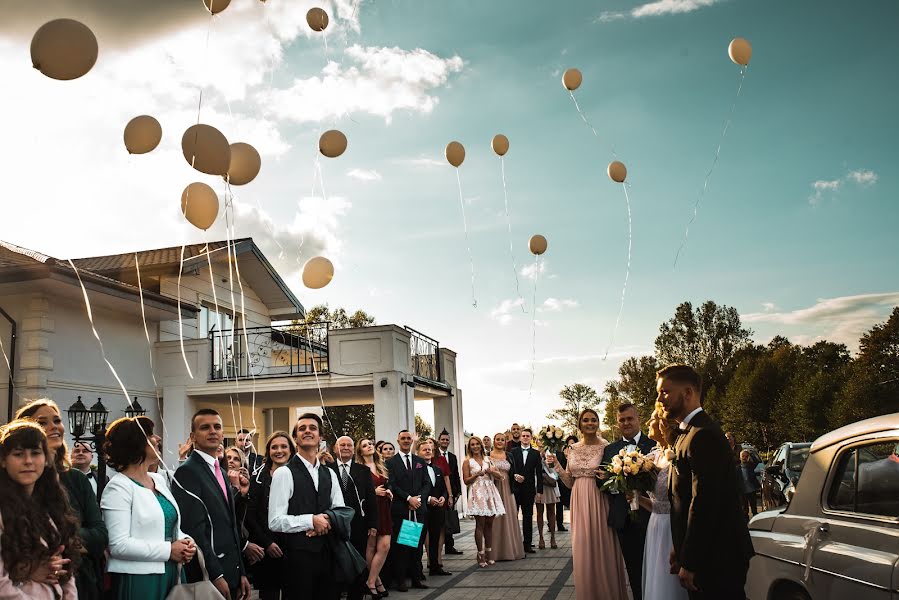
177	410
394	404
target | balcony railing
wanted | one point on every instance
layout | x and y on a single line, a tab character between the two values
277	351
425	356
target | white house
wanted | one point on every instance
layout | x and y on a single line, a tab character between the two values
241	357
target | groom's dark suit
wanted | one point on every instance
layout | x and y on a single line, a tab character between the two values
631	532
526	491
709	529
405	482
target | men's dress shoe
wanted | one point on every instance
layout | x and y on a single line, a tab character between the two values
439	571
529	549
453	551
561	529
401	587
418	585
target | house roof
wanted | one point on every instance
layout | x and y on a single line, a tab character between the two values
254	268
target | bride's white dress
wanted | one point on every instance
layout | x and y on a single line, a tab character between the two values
658	582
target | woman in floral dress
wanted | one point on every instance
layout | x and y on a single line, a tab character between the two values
598	564
484	501
507	541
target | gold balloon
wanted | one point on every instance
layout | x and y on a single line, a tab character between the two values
142	134
455	153
740	51
572	79
317	19
617	171
245	164
64	49
317	272
332	143
537	244
216	6
500	144
206	149
200	205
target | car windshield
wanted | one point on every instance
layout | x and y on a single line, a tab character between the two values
796	458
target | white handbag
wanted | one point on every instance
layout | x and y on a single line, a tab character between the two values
201	590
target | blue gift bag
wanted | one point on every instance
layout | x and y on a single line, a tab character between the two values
410	532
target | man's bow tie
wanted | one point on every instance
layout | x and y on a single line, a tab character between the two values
89	474
629	441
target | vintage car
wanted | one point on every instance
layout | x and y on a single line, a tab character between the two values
838	538
782	473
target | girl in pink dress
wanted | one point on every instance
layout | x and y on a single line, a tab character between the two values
484	501
598	564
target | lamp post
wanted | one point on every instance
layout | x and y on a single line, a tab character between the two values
135	410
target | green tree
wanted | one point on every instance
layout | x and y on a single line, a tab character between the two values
636	384
707	338
339	318
575	398
358	422
422	427
872	386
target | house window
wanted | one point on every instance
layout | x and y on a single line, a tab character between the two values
866	480
210	320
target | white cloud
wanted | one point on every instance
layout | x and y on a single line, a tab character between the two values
768	306
422	161
656	9
861	177
380	82
532	270
503	312
556	305
364	174
842	319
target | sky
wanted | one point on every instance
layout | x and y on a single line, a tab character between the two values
796	229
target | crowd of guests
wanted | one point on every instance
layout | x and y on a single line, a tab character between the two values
304	520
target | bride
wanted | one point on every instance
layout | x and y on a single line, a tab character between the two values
658	582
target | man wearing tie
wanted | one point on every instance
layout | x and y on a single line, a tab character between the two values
455	485
527	472
301	493
207	510
359	494
411	486
631	532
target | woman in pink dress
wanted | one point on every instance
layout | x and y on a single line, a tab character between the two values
507	544
598	565
484	501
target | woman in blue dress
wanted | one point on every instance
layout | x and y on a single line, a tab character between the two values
146	544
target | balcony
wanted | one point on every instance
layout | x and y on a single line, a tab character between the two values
276	351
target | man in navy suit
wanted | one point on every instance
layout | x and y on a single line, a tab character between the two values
527	482
207	510
408	480
631	532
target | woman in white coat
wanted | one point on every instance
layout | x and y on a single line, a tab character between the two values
145	538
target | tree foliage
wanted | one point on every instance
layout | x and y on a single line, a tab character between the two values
636	384
339	318
575	398
422	427
357	421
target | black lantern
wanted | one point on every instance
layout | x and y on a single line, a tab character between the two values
135	410
77	417
98	415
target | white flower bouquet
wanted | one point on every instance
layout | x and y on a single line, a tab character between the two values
551	438
631	472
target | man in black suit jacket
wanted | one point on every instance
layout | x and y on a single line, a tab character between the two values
443	442
631	532
206	502
408	480
712	546
359	494
438	500
527	482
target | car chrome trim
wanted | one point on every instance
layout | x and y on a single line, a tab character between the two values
779	559
826	572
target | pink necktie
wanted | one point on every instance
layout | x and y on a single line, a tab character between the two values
221	479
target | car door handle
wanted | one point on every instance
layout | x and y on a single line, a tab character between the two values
824	527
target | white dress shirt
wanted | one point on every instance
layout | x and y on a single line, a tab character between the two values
524	454
210	460
282	491
636	443
92	479
686	422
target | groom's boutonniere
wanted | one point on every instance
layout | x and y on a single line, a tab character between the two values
418	465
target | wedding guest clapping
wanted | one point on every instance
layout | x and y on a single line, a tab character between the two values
484	501
40	549
146	543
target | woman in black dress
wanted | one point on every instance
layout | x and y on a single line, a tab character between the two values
268	573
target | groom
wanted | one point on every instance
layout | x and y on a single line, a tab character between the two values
631	532
712	547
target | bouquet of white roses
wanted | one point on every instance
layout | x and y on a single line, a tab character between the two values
631	472
551	438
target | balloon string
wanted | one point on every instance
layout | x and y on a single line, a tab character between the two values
584	118
708	176
534	328
271	229
180	318
143	316
474	301
502	164
318	385
205	60
627	272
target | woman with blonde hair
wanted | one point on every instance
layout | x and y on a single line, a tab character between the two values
507	540
379	544
92	529
598	563
484	501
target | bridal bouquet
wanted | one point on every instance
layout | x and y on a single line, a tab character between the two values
551	438
631	472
